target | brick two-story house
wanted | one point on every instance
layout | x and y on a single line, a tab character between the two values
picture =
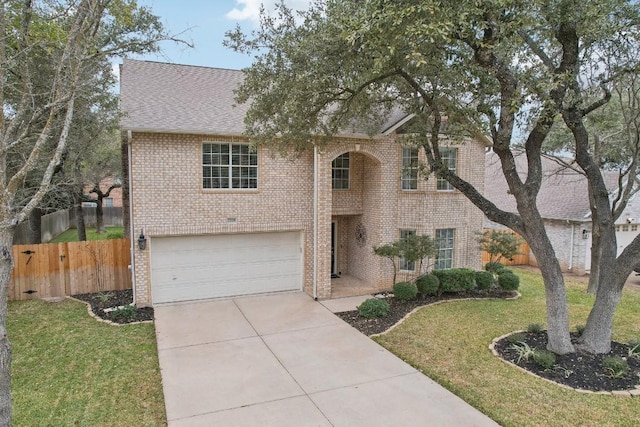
221	219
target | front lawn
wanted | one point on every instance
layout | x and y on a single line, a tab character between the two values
449	343
68	369
71	235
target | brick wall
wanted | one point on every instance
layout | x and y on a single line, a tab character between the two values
168	200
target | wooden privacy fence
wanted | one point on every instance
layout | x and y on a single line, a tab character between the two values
522	259
62	269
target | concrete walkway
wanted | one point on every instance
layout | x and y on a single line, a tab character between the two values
286	360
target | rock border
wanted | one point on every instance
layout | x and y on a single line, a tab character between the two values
108	322
635	392
399	322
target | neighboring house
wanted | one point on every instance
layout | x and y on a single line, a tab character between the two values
563	203
221	219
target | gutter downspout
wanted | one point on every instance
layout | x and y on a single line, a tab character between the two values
132	238
315	222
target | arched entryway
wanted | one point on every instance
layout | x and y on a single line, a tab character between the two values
355	219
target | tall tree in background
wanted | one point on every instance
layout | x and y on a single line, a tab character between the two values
73	37
103	173
489	67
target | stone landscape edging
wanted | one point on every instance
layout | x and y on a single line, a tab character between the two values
618	393
100	319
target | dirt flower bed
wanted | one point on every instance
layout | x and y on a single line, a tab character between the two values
105	304
399	309
577	370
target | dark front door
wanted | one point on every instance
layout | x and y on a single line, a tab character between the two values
333	248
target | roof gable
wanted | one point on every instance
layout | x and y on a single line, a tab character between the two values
161	97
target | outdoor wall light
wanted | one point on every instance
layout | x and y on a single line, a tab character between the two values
142	241
585	234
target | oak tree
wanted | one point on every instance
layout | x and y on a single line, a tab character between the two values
490	68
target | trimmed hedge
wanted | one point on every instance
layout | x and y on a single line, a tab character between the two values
429	284
373	307
493	266
484	280
456	279
405	291
508	281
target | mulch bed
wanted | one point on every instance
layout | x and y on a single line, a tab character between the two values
578	370
399	309
111	299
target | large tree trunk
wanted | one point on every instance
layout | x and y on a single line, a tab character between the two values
612	276
596	337
99	215
125	186
6	267
77	206
35	227
559	339
594	273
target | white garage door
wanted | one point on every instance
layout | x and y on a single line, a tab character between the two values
198	267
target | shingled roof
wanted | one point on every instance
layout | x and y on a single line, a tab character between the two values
162	97
563	194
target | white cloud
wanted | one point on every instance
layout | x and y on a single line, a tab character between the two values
249	10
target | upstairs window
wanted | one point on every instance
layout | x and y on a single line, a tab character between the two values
449	158
409	168
229	166
340	172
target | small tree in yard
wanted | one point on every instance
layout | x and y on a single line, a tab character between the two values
418	249
391	251
499	244
411	248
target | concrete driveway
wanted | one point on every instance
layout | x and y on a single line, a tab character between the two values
286	360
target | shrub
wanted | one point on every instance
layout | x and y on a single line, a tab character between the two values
493	266
104	297
373	307
508	281
516	338
535	327
523	350
615	366
115	234
456	279
503	270
429	284
124	313
544	358
634	348
484	280
405	291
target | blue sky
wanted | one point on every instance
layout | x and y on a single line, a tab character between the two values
204	23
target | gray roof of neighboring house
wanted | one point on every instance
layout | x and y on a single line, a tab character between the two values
563	194
163	97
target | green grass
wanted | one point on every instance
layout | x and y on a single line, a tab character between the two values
68	369
449	343
71	235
